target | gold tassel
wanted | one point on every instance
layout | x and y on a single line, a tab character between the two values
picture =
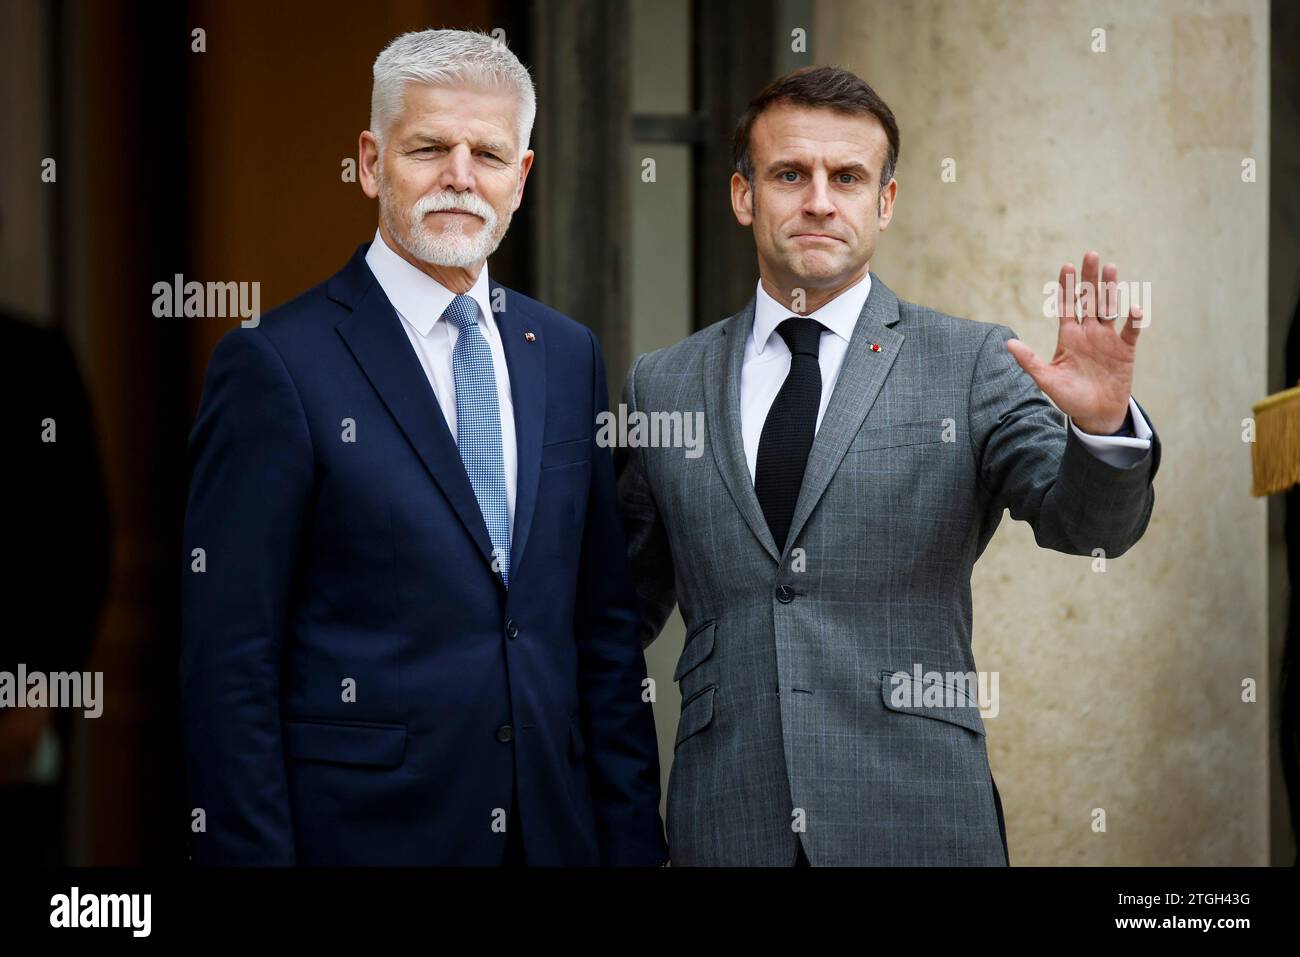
1275	453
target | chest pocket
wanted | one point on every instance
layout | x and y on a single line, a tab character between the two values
570	452
918	432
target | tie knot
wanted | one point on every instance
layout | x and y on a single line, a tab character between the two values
802	335
462	313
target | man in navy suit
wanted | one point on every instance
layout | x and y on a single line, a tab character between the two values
410	633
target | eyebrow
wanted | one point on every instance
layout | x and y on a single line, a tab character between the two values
855	167
429	139
858	168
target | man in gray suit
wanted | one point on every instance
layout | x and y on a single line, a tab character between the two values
860	450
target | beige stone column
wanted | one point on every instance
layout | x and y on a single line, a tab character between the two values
1120	691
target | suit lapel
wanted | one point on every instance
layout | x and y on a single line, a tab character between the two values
861	377
373	333
527	363
722	406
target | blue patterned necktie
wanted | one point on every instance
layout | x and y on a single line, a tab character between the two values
478	425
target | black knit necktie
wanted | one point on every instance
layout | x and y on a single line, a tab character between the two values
788	432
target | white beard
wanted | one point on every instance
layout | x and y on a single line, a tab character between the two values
450	246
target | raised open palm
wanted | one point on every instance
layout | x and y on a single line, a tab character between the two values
1090	377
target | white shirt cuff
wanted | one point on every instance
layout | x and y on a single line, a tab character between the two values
1118	450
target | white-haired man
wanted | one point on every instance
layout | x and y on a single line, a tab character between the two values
412	637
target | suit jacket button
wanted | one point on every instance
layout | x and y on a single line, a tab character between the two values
512	630
505	734
784	594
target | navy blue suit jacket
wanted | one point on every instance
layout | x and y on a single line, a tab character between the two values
330	565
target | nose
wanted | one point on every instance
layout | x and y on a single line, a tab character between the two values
817	199
457	169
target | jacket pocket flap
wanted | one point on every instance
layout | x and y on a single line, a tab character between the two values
557	454
338	742
698	647
697	714
901	692
894	436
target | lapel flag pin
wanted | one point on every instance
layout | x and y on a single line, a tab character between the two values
875	347
529	337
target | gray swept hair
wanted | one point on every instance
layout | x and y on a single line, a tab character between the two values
448	58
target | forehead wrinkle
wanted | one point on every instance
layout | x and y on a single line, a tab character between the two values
439	114
797	133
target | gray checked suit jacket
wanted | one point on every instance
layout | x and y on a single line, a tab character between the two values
791	725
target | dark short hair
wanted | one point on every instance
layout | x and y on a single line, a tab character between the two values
828	87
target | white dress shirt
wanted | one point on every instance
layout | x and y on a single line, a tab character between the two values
420	302
767	362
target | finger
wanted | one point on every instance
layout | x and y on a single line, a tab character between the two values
1131	328
1091	266
1038	369
1109	295
1065	290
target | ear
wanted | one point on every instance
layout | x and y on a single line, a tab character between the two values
887	196
742	200
368	163
525	164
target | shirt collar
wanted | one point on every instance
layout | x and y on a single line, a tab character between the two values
839	315
418	297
